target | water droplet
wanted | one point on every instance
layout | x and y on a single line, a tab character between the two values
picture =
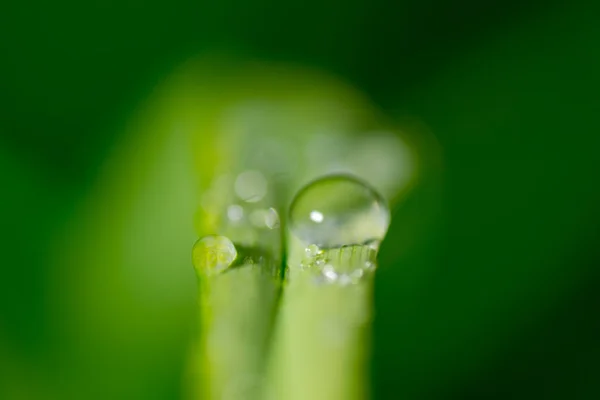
272	219
319	262
213	254
369	265
264	218
250	186
312	250
235	212
338	210
342	221
257	218
329	273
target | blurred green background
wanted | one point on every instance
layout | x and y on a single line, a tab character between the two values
490	286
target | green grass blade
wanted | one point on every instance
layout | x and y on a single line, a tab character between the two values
322	339
237	308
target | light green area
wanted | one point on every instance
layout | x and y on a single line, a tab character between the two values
488	280
237	309
321	348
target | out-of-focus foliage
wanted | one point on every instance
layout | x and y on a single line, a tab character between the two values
489	283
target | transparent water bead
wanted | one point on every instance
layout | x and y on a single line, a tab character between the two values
341	221
213	254
338	210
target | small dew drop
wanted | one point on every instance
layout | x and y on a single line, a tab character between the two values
250	186
213	254
235	212
312	250
329	273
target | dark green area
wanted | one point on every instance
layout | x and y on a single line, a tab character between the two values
489	285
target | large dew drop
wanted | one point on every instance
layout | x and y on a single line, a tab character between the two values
339	210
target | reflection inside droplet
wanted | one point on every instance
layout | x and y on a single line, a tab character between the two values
316	216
